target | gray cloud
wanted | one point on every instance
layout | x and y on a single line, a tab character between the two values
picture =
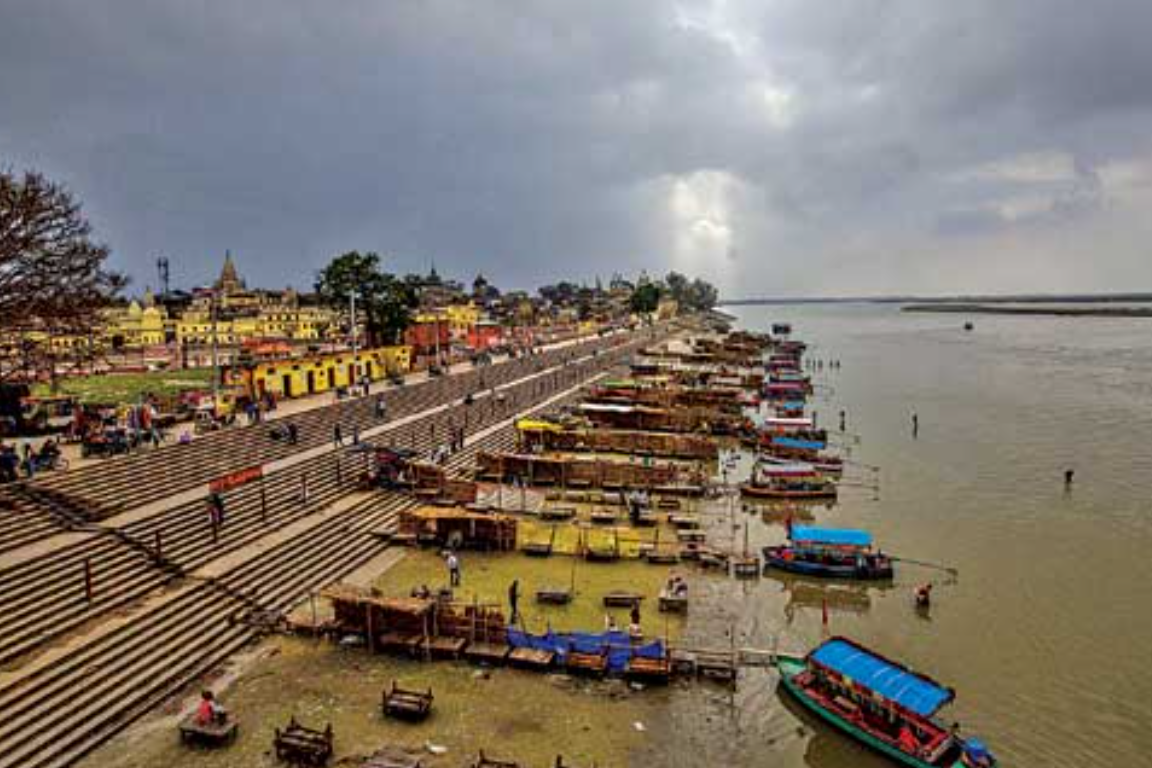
787	147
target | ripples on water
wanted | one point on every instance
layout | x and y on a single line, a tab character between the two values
1045	636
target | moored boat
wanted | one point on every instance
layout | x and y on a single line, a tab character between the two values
838	553
790	488
880	703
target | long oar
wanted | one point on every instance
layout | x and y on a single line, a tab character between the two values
954	572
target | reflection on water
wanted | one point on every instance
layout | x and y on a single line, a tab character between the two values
1044	633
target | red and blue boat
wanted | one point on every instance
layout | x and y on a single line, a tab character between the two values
881	704
831	553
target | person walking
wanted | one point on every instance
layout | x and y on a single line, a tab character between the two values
514	601
216	510
381	407
453	563
337	436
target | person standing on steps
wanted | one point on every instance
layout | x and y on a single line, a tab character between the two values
293	433
381	407
1068	475
337	436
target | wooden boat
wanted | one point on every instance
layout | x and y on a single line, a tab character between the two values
406	704
837	553
790	489
880	703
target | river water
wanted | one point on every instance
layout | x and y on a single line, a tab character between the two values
1046	634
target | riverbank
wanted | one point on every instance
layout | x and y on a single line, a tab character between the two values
1000	309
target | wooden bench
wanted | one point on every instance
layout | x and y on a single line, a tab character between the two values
216	733
406	704
300	745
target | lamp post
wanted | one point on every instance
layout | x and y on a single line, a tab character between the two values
352	296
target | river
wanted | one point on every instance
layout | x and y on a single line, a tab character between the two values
1046	635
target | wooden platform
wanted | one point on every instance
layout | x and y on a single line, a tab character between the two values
648	670
488	653
443	647
212	734
622	599
554	595
406	704
530	658
587	663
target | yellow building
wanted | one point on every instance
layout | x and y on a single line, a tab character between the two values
322	373
136	326
462	318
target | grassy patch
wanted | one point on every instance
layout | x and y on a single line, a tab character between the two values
116	388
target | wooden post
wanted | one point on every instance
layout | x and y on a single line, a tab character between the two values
158	544
88	580
370	626
263	501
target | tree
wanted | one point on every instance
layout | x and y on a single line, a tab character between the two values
385	301
678	286
701	296
645	298
53	278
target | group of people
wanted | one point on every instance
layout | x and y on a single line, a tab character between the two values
635	631
32	461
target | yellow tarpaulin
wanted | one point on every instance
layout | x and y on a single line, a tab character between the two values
534	425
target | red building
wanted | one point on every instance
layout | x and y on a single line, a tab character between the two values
422	337
485	335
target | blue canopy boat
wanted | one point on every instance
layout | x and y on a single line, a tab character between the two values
838	553
881	703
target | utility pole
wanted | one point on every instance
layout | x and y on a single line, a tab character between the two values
215	359
352	295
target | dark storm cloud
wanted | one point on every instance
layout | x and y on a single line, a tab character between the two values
777	147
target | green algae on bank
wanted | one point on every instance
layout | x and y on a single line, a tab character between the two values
511	714
486	578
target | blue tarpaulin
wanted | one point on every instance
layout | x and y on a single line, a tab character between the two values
843	537
793	442
619	646
906	688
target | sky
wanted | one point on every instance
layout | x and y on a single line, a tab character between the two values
774	147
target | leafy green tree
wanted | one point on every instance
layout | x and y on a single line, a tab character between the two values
645	298
386	302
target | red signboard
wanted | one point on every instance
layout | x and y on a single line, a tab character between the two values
236	479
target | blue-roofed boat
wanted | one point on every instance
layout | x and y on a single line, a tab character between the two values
835	553
882	704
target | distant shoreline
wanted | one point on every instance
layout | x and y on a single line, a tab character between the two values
993	309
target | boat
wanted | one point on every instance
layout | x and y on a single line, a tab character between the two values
825	465
765	485
837	553
880	703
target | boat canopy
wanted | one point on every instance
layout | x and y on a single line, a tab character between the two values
782	421
840	537
887	679
793	442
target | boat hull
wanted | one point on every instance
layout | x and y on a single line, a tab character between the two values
761	492
773	558
789	668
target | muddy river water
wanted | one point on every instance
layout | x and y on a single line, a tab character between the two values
1046	634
